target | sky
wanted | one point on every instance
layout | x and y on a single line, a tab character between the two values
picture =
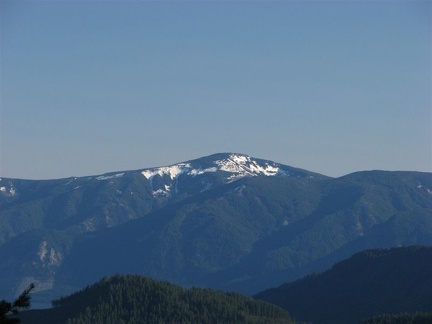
89	87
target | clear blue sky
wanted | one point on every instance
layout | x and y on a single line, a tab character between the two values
89	87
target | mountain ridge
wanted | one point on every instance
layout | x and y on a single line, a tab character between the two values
244	228
208	159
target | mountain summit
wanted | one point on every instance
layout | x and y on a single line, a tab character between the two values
214	169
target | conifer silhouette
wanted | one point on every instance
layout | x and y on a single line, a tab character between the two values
22	302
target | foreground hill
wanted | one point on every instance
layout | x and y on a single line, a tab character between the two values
370	283
226	221
135	299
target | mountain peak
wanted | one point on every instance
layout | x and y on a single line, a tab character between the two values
236	165
226	167
241	165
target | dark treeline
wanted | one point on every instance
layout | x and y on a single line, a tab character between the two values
402	318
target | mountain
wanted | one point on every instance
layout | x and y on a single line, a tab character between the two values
226	221
90	203
370	283
136	299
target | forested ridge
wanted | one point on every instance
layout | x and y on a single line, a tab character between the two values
136	299
370	283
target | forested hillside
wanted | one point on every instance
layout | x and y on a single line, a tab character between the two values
136	299
370	283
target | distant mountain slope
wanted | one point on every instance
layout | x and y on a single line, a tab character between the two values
135	299
257	233
369	283
226	221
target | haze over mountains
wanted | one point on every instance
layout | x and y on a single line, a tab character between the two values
374	286
226	221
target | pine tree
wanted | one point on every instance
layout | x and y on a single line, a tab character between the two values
22	302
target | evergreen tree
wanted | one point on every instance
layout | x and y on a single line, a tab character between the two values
22	302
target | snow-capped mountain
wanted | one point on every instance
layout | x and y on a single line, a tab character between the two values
75	203
204	173
199	174
237	165
191	177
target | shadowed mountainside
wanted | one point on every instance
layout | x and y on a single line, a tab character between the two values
370	283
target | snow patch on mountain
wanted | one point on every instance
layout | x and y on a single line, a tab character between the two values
243	166
166	192
172	171
8	190
195	172
422	187
107	177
